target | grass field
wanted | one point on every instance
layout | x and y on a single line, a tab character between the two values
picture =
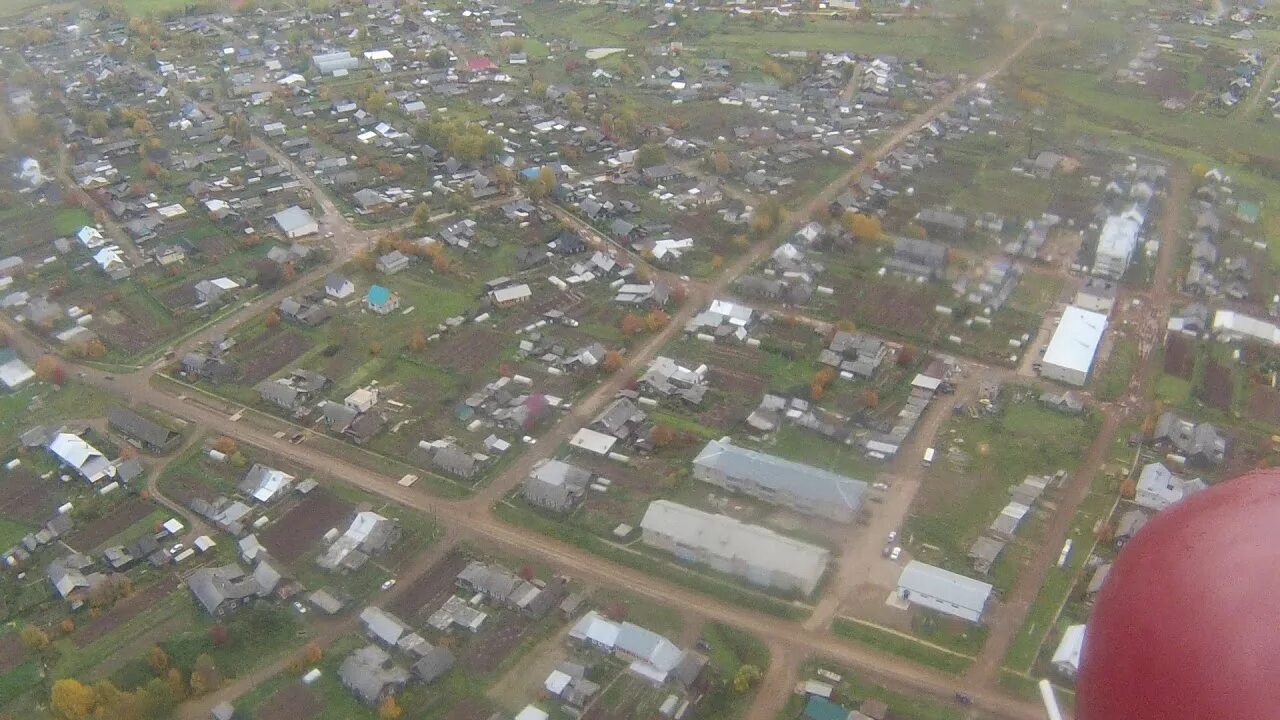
852	690
901	645
1118	370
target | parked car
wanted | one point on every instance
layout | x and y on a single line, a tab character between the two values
897	553
389	584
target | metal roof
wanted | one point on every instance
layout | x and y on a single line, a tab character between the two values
958	595
815	485
1076	340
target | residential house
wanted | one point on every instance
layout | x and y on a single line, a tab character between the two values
338	286
510	295
455	461
295	222
918	258
392	263
220	590
69	579
1066	658
151	435
1158	487
264	484
282	394
942	224
371	676
211	291
73	452
652	656
757	554
803	488
368	535
1199	443
381	300
668	378
944	591
858	354
556	485
503	587
1117	242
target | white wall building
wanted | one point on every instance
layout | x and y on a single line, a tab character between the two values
1070	354
944	591
760	555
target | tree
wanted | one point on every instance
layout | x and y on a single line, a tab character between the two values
870	398
418	341
159	660
421	215
718	161
177	684
612	361
204	676
227	446
68	625
526	573
49	369
375	348
1128	489
218	635
865	228
439	57
906	355
662	435
650	154
390	709
573	102
656	320
33	638
1199	170
542	185
71	699
273	319
630	324
617	611
746	678
314	653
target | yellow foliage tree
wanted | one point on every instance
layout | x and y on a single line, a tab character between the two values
71	699
34	638
390	709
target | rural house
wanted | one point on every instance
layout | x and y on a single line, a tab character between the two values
1158	487
295	222
392	263
1199	443
381	300
223	589
141	430
944	591
371	676
556	485
369	534
338	287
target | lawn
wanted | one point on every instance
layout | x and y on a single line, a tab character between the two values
39	402
979	460
1115	375
1173	390
11	532
67	221
901	645
18	681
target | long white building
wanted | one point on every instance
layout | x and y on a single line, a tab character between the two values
1071	351
757	554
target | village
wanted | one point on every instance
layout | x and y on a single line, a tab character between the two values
612	360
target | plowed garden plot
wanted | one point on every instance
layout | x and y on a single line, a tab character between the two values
468	351
269	353
897	308
114	522
1218	387
124	611
485	653
26	498
12	652
471	709
1179	356
426	594
182	296
298	531
1264	403
294	702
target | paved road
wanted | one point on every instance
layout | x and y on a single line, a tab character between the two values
469	519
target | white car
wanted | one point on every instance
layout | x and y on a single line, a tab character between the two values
389	584
897	553
302	609
893	535
176	549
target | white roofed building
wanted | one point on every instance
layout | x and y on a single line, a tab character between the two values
944	591
1066	659
757	554
1071	351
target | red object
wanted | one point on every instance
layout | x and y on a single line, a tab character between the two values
1188	622
481	64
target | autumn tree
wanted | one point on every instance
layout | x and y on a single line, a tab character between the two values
418	341
865	228
612	361
1128	489
33	638
273	319
870	398
218	635
656	320
526	573
177	684
649	155
159	660
630	324
421	215
313	653
68	625
390	709
662	435
818	385
71	699
204	675
49	369
226	445
906	355
718	162
746	678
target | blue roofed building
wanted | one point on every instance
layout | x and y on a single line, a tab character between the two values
803	488
381	300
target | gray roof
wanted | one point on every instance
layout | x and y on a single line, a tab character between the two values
292	218
369	672
213	586
814	485
966	594
139	427
436	662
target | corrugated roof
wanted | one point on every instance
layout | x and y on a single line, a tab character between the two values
818	486
1076	340
934	582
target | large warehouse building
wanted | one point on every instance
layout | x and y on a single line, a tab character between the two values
1070	354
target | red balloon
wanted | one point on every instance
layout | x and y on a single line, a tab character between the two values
1188	622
